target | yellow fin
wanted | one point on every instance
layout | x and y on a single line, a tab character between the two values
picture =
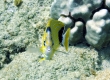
66	39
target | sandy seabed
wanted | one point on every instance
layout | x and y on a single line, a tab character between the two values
21	29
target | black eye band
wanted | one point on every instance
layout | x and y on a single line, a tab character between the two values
60	33
48	29
44	43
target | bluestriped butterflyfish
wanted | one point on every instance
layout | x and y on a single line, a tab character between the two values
52	37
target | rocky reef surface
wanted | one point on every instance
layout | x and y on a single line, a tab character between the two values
79	63
21	28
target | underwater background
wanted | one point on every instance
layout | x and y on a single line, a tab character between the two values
22	25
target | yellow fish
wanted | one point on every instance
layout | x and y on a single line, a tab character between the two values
52	38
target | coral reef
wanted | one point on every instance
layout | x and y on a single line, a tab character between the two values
78	8
98	29
76	33
21	29
95	18
108	3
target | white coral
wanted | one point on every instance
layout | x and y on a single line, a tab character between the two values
98	29
78	8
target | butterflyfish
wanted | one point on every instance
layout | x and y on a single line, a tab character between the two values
52	37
